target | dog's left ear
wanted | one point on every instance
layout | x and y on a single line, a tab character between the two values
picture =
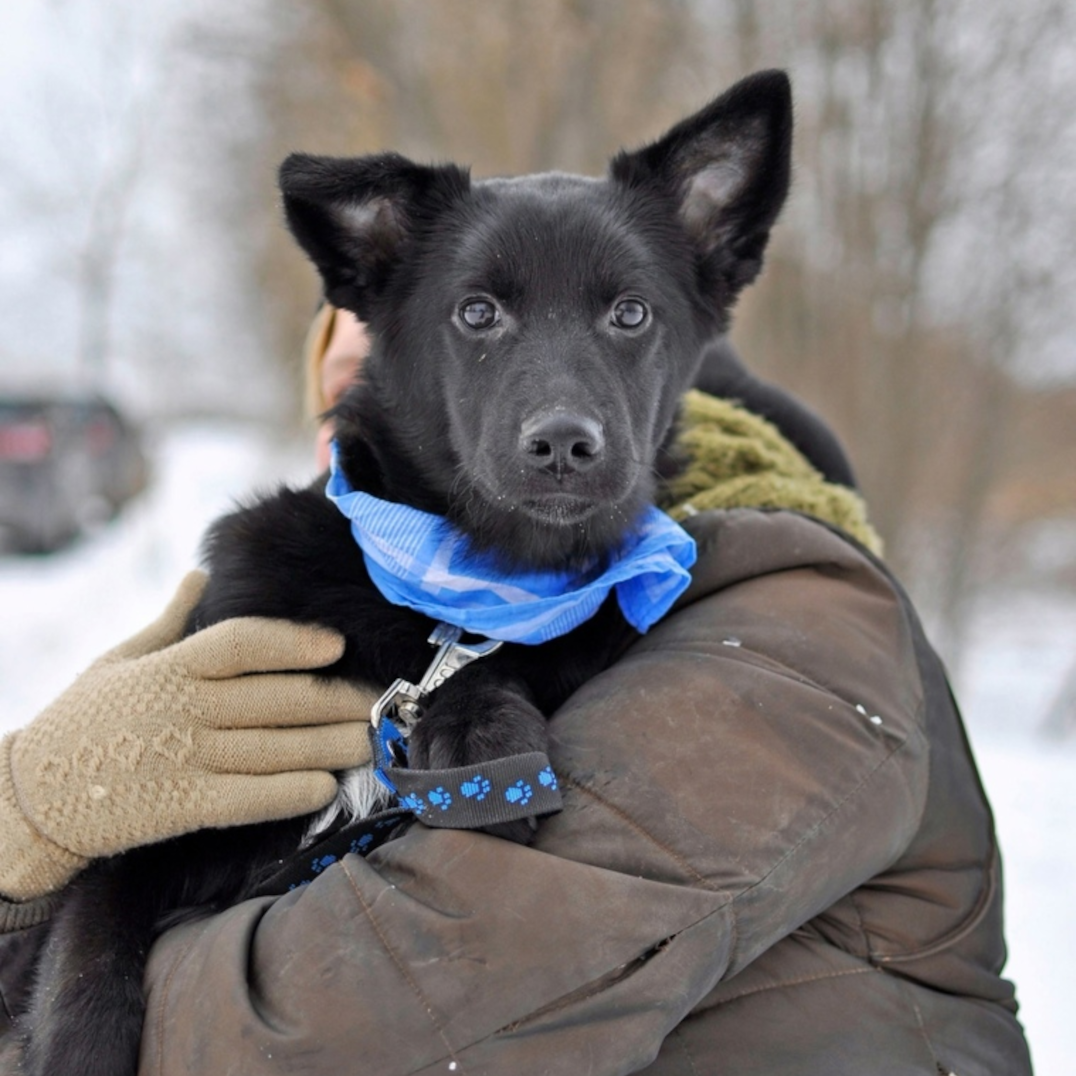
728	169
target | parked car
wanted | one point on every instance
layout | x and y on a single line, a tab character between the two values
67	462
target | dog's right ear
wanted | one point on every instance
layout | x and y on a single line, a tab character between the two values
354	215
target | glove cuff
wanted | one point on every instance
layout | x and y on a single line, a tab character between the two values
30	864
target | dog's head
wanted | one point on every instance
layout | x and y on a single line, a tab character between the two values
533	335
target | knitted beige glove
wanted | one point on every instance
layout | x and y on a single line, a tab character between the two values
161	737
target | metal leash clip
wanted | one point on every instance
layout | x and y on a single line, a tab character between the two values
403	699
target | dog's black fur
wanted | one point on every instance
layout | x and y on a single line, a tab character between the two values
532	339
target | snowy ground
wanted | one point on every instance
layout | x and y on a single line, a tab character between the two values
57	613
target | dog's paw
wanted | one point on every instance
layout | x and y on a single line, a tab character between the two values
466	729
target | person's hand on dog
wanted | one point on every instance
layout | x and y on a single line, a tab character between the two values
164	735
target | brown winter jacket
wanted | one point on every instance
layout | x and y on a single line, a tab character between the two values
775	858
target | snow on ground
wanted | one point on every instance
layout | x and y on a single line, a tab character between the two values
58	613
1032	787
1022	648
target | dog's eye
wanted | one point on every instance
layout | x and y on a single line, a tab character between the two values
479	314
629	314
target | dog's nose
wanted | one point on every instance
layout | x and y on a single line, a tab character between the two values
561	441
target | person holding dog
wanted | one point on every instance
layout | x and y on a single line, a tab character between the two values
774	857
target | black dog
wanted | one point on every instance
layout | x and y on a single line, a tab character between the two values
533	338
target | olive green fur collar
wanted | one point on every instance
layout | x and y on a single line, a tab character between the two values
740	460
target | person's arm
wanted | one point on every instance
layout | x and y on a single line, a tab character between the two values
211	719
724	782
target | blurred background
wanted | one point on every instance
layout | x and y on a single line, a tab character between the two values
917	294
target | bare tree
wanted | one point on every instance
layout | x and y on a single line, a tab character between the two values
107	216
906	284
88	165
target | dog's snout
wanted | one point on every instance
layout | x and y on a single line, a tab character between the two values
561	441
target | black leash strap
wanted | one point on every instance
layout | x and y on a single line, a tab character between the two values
359	838
469	797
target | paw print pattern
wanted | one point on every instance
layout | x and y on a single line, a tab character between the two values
477	788
471	798
361	844
319	864
440	798
520	793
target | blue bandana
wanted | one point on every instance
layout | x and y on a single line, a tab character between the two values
420	561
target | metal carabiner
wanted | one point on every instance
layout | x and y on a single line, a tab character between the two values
452	655
404	698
